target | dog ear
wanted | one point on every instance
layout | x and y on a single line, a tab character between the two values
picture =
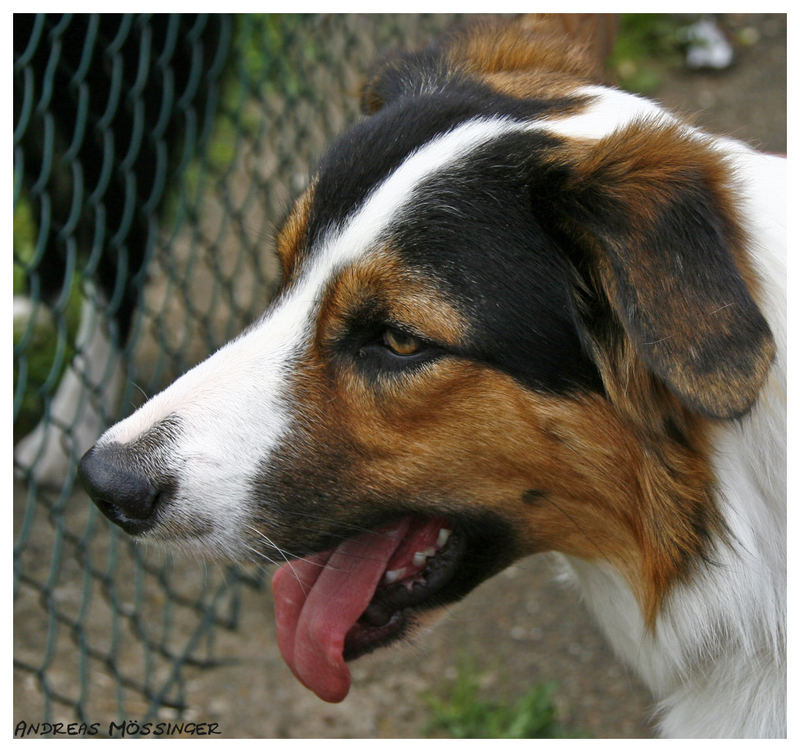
380	87
655	212
403	74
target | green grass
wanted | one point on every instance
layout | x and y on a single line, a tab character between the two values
459	711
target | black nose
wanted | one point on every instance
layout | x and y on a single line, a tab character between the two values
121	491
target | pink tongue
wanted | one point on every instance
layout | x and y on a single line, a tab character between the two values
317	601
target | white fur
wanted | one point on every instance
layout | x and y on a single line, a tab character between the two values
717	659
608	111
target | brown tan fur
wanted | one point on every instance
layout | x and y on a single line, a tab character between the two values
573	475
624	478
536	55
406	296
293	233
643	169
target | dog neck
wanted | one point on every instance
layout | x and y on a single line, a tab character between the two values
718	643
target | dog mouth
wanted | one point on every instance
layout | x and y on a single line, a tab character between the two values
418	571
364	594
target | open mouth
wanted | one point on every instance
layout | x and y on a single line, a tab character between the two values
423	564
339	605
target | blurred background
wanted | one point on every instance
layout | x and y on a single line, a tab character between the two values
154	157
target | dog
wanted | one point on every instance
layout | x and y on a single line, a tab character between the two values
521	311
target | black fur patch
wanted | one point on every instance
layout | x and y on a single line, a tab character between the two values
373	148
472	227
475	229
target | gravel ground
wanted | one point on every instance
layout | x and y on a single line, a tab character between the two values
522	627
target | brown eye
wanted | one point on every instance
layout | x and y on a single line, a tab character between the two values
401	343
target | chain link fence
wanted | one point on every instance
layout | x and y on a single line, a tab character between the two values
153	158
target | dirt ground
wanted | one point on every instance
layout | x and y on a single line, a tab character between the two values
523	627
747	100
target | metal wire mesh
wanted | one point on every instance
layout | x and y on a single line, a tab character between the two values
153	157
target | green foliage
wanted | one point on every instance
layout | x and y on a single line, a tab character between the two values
647	44
459	712
43	342
264	41
24	243
268	48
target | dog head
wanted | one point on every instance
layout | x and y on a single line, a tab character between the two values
505	326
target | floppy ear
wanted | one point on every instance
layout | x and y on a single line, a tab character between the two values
655	208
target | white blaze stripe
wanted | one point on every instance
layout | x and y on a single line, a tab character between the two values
365	226
362	229
609	111
247	374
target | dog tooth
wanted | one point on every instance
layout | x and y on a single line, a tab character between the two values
420	557
393	575
444	534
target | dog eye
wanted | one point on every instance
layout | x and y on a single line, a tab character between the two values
401	343
389	349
